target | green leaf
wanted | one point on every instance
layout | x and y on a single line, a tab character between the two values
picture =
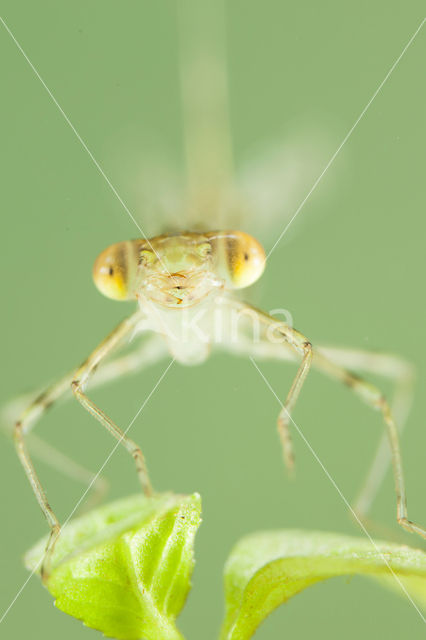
125	568
264	570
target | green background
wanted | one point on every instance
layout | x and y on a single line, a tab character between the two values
352	275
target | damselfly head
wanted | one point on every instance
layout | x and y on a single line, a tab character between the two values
179	270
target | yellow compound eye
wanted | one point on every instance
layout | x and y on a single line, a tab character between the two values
110	272
239	258
246	259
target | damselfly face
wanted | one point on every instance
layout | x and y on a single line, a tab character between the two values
179	270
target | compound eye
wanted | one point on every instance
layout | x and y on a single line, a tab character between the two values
110	272
246	259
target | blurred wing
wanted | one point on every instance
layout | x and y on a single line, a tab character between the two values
160	194
171	199
267	192
261	198
272	185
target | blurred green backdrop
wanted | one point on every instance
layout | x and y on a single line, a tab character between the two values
354	275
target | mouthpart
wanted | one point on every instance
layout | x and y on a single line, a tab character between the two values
180	289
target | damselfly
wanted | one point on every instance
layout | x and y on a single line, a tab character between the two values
184	284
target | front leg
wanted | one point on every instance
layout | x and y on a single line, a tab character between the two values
36	410
79	382
264	336
366	391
